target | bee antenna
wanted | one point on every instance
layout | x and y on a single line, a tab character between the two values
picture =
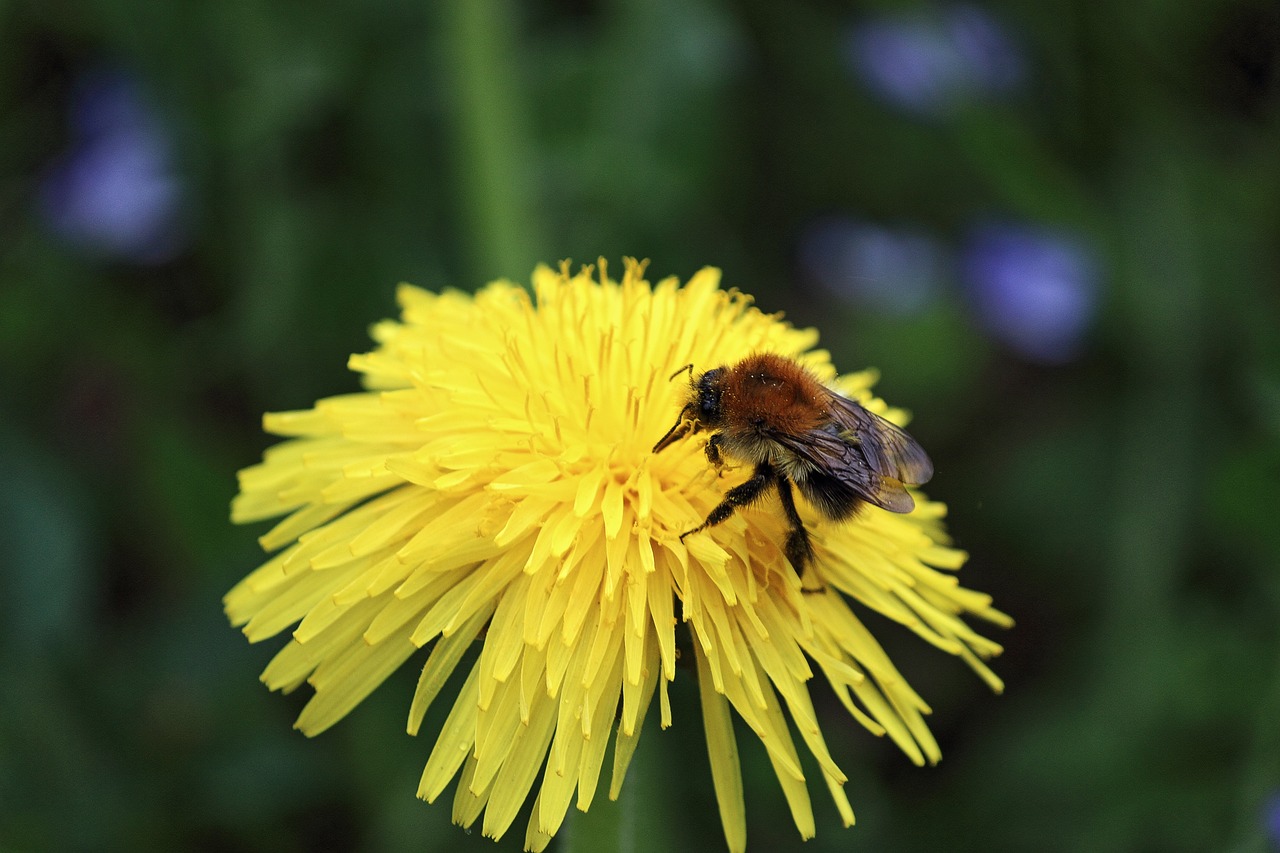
688	367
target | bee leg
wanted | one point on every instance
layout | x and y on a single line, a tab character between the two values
739	495
713	451
799	548
716	458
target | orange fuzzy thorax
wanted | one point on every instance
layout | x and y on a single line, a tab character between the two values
771	393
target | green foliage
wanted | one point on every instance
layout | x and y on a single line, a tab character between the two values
1121	506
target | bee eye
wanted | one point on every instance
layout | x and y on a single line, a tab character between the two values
709	395
709	405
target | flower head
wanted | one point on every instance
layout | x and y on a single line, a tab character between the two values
495	485
117	191
892	270
927	64
1036	289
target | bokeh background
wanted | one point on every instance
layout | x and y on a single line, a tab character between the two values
1054	226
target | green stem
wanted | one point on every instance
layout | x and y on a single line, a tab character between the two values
607	827
1158	437
492	148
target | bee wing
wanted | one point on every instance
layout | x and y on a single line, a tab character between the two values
842	473
858	454
888	449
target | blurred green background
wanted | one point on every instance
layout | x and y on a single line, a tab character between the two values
1055	227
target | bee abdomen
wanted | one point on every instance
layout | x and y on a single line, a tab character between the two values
833	497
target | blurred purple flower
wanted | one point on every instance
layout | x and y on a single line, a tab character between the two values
927	64
116	191
1035	289
993	61
1271	820
897	271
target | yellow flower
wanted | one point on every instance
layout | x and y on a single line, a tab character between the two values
495	485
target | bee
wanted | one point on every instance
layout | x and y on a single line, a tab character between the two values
772	413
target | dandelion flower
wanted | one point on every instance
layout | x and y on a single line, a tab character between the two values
494	486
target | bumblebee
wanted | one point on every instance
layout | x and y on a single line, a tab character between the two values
770	412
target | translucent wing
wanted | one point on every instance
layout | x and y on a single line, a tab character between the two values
887	448
858	456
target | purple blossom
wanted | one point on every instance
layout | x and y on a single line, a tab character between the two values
898	271
928	63
115	192
993	61
1035	289
1271	819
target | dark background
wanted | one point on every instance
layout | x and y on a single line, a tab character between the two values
1053	226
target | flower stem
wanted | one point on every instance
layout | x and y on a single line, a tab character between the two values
606	828
492	148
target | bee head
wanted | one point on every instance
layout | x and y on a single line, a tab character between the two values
703	409
705	404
